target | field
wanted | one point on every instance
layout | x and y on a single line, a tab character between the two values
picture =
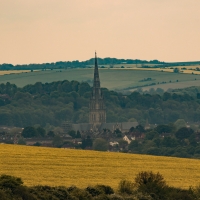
5	72
49	166
114	79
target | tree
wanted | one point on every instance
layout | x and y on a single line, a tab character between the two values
166	96
41	132
126	187
122	143
140	128
180	123
118	133
176	70
150	183
72	133
78	134
87	142
151	134
83	88
163	129
50	134
133	145
21	141
184	133
100	144
131	129
57	141
169	142
29	132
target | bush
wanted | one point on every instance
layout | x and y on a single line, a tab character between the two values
126	187
100	190
102	197
196	191
100	144
151	183
21	141
23	192
81	194
115	197
4	196
54	193
37	144
106	189
10	182
180	194
94	191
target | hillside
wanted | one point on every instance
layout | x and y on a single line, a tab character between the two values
114	79
49	166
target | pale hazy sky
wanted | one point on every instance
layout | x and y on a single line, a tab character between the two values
38	31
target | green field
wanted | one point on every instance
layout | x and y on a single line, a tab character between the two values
114	79
54	167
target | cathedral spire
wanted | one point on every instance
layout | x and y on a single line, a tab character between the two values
96	83
97	114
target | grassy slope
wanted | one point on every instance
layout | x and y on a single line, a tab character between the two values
49	166
110	78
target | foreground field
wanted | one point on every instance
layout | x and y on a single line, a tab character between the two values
49	166
114	79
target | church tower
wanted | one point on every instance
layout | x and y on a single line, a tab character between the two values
97	114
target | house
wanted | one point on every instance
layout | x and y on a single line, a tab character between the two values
127	139
115	143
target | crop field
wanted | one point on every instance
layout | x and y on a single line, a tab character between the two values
54	167
5	72
114	79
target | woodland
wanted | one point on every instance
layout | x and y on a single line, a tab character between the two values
57	102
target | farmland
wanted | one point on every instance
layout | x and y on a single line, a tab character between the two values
48	166
6	72
114	79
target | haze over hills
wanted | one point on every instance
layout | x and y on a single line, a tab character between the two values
102	61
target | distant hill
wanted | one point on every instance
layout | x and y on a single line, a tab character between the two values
49	166
76	64
101	61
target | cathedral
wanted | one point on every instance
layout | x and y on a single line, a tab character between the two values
97	114
97	111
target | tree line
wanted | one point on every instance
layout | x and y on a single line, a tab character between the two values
69	101
146	185
61	101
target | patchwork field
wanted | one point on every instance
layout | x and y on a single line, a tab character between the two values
114	79
49	166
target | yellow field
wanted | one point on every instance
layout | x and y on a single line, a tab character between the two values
51	166
13	72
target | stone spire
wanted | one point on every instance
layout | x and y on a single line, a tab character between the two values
96	92
97	114
96	83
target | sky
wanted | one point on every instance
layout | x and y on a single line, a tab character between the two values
44	31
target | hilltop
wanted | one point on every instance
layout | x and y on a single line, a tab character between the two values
90	62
